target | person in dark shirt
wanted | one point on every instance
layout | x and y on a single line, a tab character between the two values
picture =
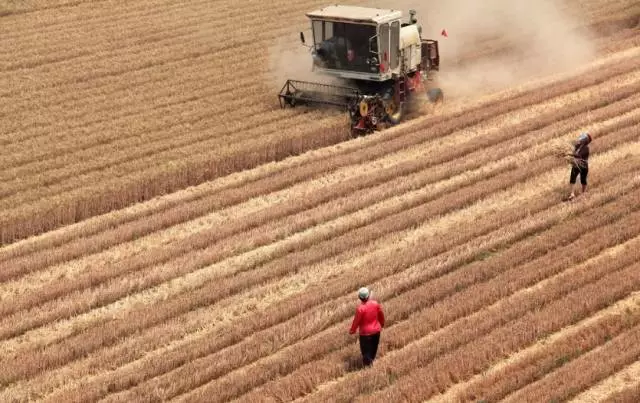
580	164
369	320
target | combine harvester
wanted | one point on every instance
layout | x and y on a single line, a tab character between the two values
382	62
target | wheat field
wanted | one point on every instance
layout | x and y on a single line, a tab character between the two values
170	234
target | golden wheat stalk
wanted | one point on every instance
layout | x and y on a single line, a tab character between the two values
566	152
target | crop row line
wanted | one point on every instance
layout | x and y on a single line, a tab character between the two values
301	305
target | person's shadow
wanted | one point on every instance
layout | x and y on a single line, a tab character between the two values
353	363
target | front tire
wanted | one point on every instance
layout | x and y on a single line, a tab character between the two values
393	109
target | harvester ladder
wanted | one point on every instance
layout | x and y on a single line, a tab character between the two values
402	80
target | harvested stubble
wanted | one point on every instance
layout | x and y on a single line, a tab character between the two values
617	96
156	356
548	354
550	315
479	349
629	394
619	383
332	366
587	369
300	322
275	265
400	171
309	253
17	224
207	258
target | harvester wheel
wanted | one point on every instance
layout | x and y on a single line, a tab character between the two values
392	109
364	108
435	95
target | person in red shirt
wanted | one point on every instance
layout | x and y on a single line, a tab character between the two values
369	319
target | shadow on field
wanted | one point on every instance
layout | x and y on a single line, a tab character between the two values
353	363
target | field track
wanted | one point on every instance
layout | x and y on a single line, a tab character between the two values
241	287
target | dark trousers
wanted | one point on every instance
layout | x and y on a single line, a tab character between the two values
575	171
369	348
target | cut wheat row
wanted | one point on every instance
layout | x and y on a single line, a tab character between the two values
211	365
54	175
178	266
54	287
287	306
269	170
596	115
334	340
576	305
547	354
192	351
72	138
626	389
235	236
617	384
47	224
465	336
198	277
627	395
587	369
170	269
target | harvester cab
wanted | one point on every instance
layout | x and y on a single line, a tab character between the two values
376	62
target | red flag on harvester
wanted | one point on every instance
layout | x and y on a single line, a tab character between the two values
444	33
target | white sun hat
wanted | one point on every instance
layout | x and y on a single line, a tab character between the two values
363	293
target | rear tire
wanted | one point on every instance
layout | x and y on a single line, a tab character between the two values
435	95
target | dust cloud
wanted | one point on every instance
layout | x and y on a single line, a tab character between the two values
289	59
491	44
